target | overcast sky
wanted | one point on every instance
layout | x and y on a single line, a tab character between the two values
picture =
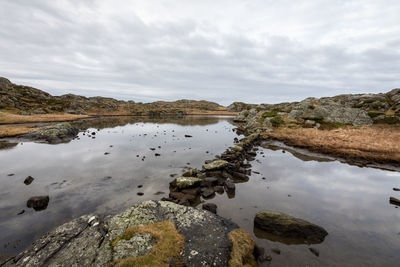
257	51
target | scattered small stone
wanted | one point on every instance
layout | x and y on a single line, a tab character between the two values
140	193
137	156
152	148
173	175
106	153
314	251
140	186
263	178
211	207
159	193
256	172
11	174
111	145
289	195
396	189
157	154
93	133
28	180
188	136
276	251
21	212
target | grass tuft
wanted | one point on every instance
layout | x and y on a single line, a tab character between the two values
169	246
242	249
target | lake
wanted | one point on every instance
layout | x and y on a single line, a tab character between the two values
104	172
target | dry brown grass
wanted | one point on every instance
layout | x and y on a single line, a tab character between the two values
242	249
16	118
378	143
10	131
169	244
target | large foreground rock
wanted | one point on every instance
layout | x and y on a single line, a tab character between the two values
53	134
90	241
281	224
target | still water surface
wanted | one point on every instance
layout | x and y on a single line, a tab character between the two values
350	202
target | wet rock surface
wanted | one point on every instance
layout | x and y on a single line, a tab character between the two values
88	240
54	134
284	225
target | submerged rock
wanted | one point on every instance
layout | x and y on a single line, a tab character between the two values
281	224
215	165
38	203
53	134
90	241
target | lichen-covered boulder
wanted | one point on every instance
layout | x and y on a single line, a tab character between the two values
154	233
215	165
53	134
284	225
344	115
186	182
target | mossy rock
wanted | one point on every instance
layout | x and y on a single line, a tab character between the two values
215	165
186	182
284	225
270	113
277	121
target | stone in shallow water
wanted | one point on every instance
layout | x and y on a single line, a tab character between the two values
28	180
215	165
185	182
281	224
38	203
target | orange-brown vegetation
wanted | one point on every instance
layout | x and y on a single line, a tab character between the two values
9	118
242	249
9	131
377	143
170	244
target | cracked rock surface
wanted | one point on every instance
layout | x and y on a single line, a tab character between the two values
87	240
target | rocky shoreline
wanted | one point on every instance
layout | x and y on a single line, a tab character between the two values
94	241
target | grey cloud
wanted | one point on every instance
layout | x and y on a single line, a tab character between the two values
76	46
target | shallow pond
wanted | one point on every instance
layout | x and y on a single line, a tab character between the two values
104	174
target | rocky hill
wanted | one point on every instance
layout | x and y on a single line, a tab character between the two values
27	100
356	110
